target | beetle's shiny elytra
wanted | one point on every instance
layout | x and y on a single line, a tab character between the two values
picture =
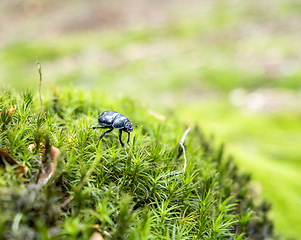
111	120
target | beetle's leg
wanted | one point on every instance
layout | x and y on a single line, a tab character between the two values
128	138
110	130
120	134
99	127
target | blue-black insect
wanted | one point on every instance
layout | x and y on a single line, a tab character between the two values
111	120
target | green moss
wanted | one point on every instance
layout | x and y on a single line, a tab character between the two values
140	191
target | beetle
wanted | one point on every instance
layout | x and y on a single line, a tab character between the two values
111	120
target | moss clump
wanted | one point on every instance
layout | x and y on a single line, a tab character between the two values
136	192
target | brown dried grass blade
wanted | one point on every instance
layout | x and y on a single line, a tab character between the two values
6	158
48	174
10	111
96	236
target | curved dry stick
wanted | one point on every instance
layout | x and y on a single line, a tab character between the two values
181	142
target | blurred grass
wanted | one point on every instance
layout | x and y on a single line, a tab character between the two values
185	56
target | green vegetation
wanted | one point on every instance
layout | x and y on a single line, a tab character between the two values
141	191
180	58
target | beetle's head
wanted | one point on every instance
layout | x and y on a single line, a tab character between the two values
128	126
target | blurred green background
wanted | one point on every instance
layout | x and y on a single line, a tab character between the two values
233	67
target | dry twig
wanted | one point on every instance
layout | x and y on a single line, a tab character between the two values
154	114
181	142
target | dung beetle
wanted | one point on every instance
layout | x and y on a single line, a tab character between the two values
111	120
